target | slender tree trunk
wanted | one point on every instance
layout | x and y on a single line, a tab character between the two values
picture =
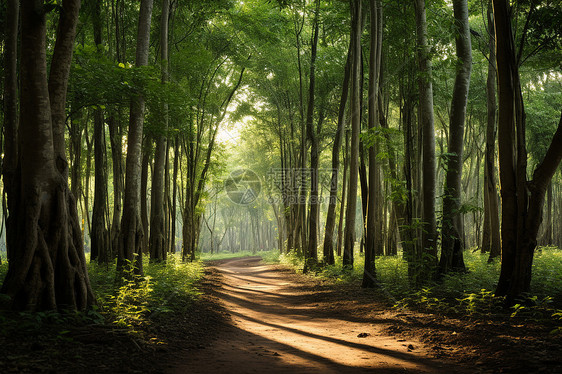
157	243
311	252
428	256
373	219
452	245
131	227
345	182
174	195
100	241
116	157
328	247
349	236
145	168
99	236
491	233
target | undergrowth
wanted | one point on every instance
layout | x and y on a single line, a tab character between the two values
127	302
164	288
470	293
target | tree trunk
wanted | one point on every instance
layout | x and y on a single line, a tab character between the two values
311	252
349	236
48	269
131	227
491	234
117	159
522	200
374	203
10	160
157	243
452	245
174	195
328	247
428	255
145	167
100	241
345	182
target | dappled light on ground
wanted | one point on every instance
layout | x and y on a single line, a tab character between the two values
277	326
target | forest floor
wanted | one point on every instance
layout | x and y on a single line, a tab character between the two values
254	317
277	321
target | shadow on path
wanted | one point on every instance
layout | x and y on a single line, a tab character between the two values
276	328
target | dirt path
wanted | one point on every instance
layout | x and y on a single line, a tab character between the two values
281	325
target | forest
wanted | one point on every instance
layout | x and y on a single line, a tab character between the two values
175	171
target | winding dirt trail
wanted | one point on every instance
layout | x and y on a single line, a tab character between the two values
281	324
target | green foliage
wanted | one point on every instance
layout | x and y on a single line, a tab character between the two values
469	293
557	316
532	307
164	288
129	305
138	298
483	302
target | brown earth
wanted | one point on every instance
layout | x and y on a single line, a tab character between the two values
283	322
255	318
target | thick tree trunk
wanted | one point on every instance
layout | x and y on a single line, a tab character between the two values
349	235
131	227
157	243
10	160
58	78
48	268
522	200
76	156
428	256
452	245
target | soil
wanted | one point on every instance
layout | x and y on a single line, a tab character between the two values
282	322
255	317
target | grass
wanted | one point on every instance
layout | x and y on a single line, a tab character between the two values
468	293
206	256
132	302
164	288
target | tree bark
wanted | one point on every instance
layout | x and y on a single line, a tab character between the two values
374	219
328	246
452	245
131	227
522	200
145	168
491	234
10	160
117	160
100	240
157	243
48	269
174	195
428	256
345	183
311	252
349	235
